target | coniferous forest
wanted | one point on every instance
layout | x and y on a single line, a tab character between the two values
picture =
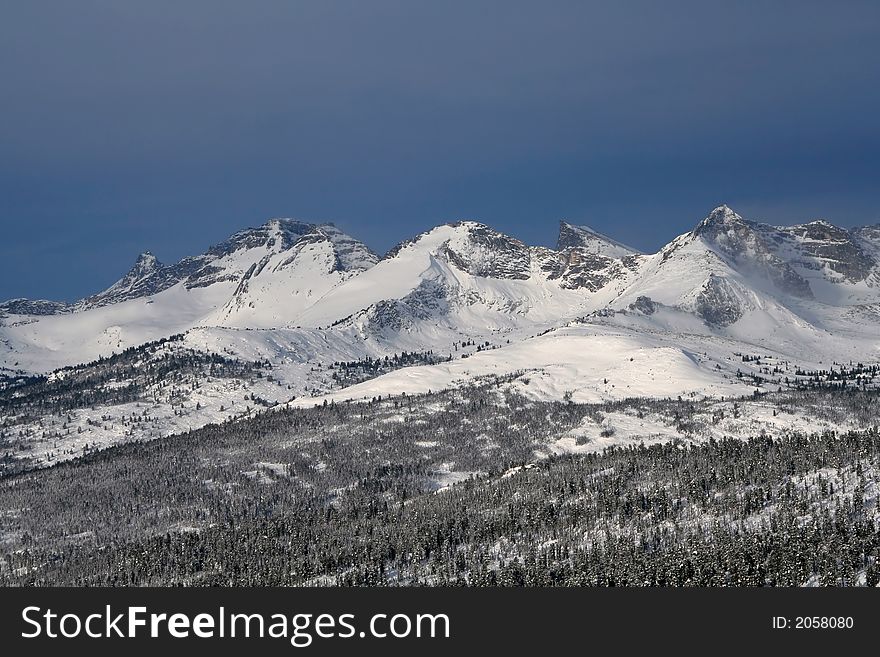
457	488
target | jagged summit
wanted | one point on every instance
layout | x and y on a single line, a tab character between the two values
460	279
472	247
147	276
721	218
468	224
145	264
724	211
239	257
351	255
483	251
275	233
288	223
584	258
592	241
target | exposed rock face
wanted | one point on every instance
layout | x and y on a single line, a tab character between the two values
581	262
589	241
148	276
585	259
351	255
821	244
488	253
429	301
33	307
791	256
753	248
870	235
718	303
276	273
644	305
276	236
576	269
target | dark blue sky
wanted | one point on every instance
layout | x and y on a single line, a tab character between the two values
166	125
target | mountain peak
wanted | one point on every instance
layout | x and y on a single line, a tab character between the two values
469	224
145	264
723	214
483	251
351	254
584	237
288	224
820	229
719	220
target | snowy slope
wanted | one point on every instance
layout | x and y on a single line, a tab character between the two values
587	363
259	277
591	241
464	280
307	295
42	344
276	290
759	285
589	320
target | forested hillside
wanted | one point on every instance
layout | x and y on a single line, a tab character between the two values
457	487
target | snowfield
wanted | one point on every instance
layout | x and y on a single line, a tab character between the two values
584	364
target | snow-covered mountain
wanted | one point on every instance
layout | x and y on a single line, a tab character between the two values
588	240
276	247
730	307
310	294
792	286
258	278
463	280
